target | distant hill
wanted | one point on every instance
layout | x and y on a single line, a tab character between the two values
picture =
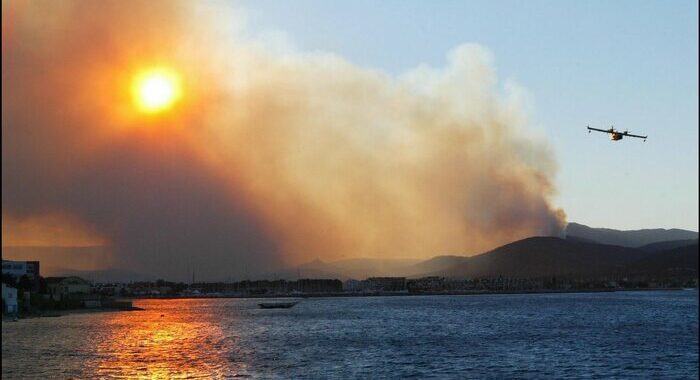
630	238
358	268
532	257
436	264
546	256
666	245
680	259
369	267
577	239
314	269
585	251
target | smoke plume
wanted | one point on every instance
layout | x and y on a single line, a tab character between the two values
272	157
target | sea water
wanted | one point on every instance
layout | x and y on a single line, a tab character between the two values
621	335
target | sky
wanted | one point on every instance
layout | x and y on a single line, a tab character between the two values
631	64
249	136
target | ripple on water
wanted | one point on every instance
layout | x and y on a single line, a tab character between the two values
602	335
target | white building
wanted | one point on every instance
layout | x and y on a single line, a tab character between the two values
9	298
18	269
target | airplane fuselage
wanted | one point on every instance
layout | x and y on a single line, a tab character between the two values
614	136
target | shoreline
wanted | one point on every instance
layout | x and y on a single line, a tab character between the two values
404	294
64	312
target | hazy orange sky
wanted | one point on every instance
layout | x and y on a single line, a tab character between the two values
269	156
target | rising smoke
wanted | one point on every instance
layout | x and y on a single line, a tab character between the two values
272	157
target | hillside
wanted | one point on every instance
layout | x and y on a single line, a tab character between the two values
436	264
546	256
673	261
666	245
357	268
629	238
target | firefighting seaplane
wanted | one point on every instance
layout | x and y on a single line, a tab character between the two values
615	135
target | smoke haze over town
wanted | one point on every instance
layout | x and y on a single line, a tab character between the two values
272	157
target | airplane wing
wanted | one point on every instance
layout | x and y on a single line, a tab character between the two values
596	129
631	135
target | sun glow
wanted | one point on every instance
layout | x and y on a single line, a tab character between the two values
156	90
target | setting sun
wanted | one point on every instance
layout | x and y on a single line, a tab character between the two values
156	90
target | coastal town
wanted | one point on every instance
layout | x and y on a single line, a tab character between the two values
26	293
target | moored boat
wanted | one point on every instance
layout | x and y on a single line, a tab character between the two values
277	305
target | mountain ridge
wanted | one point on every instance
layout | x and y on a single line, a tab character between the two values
526	257
627	238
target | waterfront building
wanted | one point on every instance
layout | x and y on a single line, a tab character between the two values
352	285
112	289
387	284
432	283
62	286
9	299
17	269
315	286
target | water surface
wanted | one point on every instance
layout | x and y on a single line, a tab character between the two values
593	335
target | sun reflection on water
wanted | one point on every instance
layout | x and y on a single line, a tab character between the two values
164	343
